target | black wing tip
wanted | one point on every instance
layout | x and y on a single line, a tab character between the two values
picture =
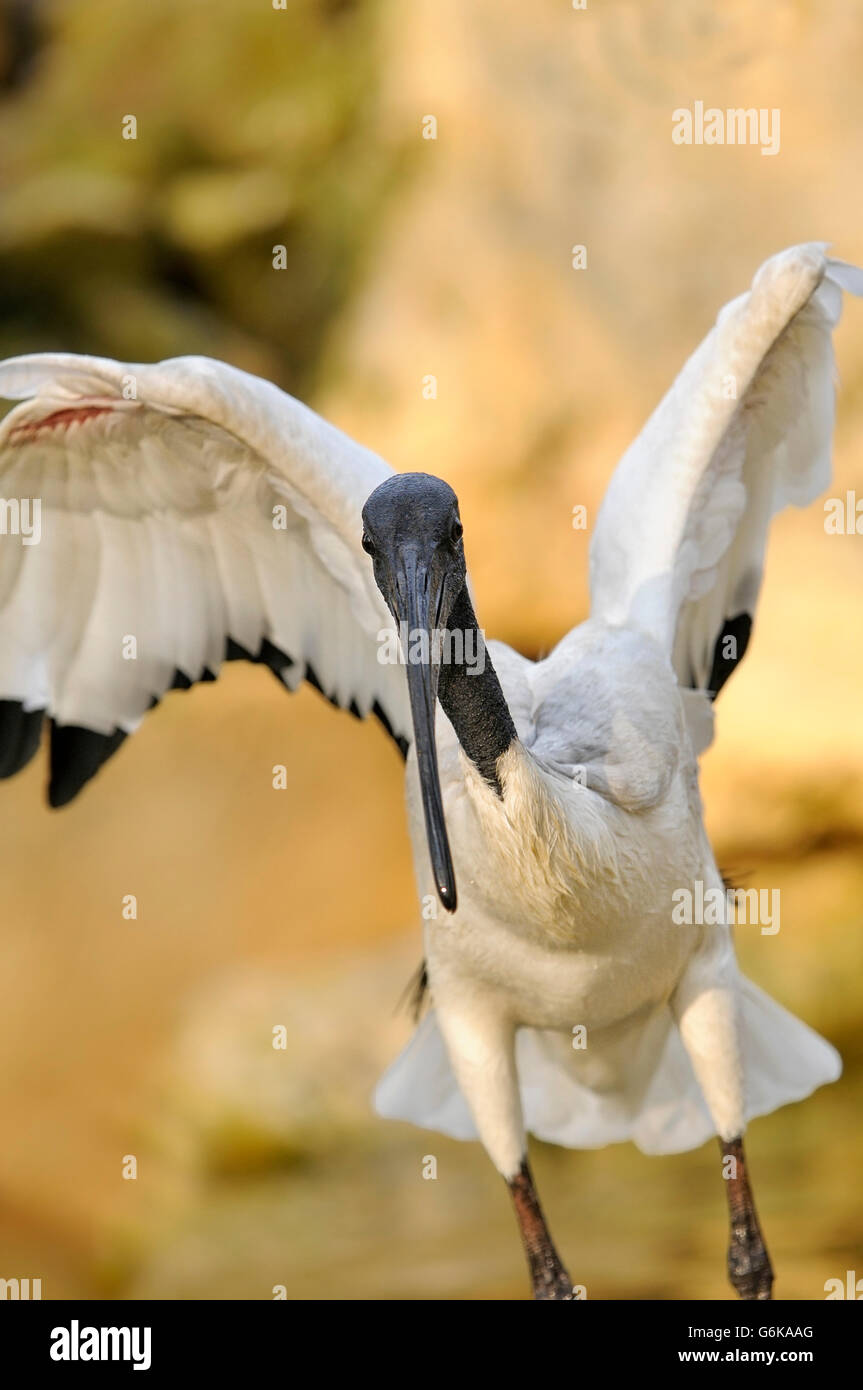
20	736
737	630
402	744
352	708
57	799
76	754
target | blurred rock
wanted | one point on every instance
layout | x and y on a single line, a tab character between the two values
249	1104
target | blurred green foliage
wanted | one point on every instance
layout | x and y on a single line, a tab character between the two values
256	127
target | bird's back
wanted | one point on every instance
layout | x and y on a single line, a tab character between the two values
602	710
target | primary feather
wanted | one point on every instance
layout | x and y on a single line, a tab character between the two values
746	429
192	508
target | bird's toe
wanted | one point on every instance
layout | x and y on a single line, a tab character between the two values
750	1270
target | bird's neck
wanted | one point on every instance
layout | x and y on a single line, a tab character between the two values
471	694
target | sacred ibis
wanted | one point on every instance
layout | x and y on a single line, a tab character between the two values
554	806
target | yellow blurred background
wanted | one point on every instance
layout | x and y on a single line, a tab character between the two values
408	258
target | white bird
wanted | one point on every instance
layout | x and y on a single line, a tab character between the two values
554	806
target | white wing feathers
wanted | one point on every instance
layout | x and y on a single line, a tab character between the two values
678	547
189	512
159	486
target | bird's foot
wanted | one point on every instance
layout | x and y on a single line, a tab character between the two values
557	1293
548	1279
749	1267
550	1282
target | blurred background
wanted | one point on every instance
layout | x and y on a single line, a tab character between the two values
408	258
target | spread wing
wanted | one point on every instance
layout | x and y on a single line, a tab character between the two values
746	429
158	520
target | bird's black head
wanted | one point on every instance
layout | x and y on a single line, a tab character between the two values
413	533
414	517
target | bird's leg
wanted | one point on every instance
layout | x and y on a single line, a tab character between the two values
480	1041
749	1267
548	1277
706	1006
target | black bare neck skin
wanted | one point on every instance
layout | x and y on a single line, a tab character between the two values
472	699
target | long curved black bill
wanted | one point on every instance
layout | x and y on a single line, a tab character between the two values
417	612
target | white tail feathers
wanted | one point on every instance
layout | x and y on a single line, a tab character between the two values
662	1111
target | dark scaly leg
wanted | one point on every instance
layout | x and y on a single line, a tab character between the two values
749	1267
549	1279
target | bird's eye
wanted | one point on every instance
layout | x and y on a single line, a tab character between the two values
457	532
368	543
